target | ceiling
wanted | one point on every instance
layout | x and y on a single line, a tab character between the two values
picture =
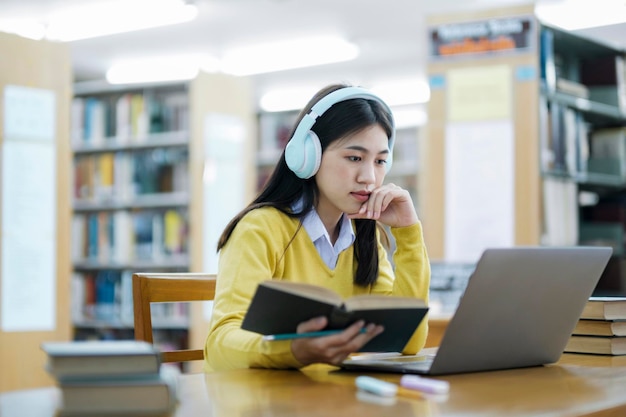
390	34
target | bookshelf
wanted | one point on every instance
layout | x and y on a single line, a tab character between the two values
583	143
564	97
130	202
139	200
480	180
33	287
274	131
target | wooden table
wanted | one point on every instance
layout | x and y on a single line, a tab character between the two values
578	385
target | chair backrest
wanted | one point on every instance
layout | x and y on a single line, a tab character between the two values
168	287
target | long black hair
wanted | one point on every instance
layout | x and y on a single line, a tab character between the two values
283	188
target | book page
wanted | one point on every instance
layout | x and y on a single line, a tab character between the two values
313	292
369	301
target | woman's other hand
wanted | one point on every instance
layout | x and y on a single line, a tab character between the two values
332	349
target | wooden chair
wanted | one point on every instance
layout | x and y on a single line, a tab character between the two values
168	287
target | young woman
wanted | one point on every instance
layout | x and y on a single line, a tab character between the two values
318	221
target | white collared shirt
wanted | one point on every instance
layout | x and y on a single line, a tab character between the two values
321	239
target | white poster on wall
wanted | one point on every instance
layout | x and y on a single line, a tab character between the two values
480	188
223	179
28	224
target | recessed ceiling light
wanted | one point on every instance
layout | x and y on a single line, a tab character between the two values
291	54
286	99
581	14
155	69
403	91
103	18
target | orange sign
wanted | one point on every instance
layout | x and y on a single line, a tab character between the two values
493	35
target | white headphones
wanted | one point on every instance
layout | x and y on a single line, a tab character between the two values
303	153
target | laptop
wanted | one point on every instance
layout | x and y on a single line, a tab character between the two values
518	310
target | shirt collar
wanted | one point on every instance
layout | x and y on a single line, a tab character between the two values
312	223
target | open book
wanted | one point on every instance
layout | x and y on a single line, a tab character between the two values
279	306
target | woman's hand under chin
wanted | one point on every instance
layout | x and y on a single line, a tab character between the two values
389	204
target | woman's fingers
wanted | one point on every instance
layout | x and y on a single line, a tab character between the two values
332	349
312	325
389	204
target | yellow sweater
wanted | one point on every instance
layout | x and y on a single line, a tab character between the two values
254	253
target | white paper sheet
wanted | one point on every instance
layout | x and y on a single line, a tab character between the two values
224	182
28	224
480	188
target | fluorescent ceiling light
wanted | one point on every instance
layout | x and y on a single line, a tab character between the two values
156	69
409	116
400	92
115	16
23	27
297	53
286	99
581	14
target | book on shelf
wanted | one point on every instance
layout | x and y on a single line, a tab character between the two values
278	307
101	359
602	234
602	70
155	394
605	76
602	345
572	88
587	327
605	308
608	150
123	236
560	212
564	139
122	118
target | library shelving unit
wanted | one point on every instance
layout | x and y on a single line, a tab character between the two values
131	198
583	146
36	88
560	99
480	182
139	206
274	131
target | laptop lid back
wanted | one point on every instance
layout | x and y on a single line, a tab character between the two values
519	308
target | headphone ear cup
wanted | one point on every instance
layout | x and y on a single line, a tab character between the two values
304	156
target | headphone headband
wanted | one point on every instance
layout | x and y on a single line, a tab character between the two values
303	153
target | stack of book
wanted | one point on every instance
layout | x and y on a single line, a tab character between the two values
601	328
111	377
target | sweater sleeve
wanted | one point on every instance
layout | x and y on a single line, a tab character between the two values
412	275
249	257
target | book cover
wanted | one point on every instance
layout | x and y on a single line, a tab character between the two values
602	70
600	327
605	308
152	395
572	88
602	345
279	306
101	359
